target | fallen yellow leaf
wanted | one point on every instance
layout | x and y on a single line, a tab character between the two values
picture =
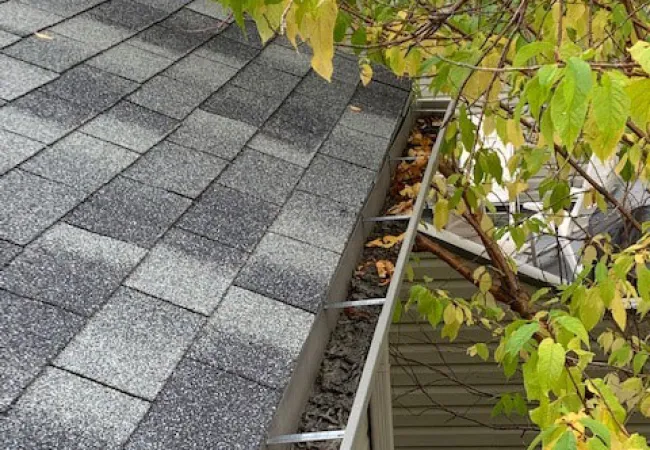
387	241
355	108
405	207
385	268
43	36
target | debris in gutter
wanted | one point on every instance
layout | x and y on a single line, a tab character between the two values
336	384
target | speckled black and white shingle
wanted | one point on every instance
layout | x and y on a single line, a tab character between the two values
175	197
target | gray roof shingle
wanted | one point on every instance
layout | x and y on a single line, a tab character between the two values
284	269
131	126
56	52
48	269
231	217
175	198
131	211
18	77
32	334
81	161
133	343
177	169
223	410
263	176
31	204
241	339
188	270
24	20
214	134
64	411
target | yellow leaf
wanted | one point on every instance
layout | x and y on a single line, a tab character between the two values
489	125
618	311
515	188
386	241
43	36
441	214
487	225
449	315
644	406
410	191
589	254
355	108
515	137
385	268
366	74
318	28
405	207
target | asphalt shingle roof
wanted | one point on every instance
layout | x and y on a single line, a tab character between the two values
175	198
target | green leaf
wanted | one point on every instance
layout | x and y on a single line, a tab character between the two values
531	379
532	50
560	196
547	127
482	350
598	429
643	282
547	75
546	413
343	21
640	53
359	37
566	442
600	388
611	108
550	364
467	129
519	338
592	309
541	436
571	100
596	444
638	362
575	326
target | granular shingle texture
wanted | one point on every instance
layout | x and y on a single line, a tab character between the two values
177	169
31	204
32	334
214	134
131	211
175	198
133	343
81	161
48	269
131	126
203	407
15	149
57	52
263	176
284	269
188	270
64	411
240	339
131	62
231	217
45	118
346	183
18	77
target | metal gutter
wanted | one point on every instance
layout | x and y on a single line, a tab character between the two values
375	379
296	394
470	248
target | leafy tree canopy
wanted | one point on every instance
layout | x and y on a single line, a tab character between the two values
565	86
